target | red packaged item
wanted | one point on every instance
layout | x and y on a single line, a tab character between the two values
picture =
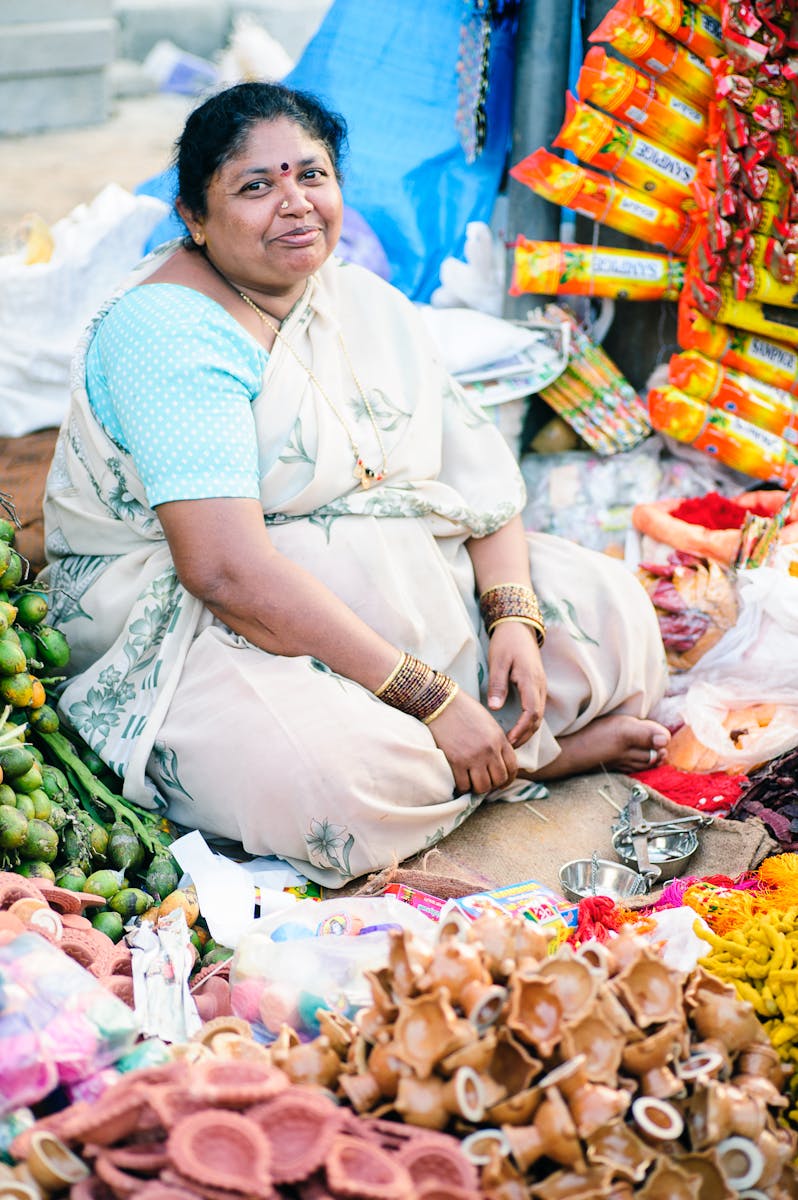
639	40
634	97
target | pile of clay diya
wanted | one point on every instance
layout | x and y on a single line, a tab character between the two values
590	1072
218	1125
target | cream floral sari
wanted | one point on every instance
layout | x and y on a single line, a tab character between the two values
283	754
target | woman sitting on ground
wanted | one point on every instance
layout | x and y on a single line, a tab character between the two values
287	549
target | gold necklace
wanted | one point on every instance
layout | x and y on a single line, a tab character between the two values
366	476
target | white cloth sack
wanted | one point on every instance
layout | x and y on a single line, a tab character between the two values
44	306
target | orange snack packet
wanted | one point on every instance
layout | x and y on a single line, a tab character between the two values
595	138
732	391
735	443
636	98
606	201
769	361
640	40
689	24
563	269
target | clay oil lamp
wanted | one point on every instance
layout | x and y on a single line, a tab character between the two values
657	1120
575	982
705	1166
16	1190
717	1014
718	1110
52	1164
432	1101
597	957
483	1003
651	991
535	1011
338	1029
517	1109
122	1184
141	1158
777	1147
217	1081
453	966
552	1134
648	1060
427	1030
668	1181
435	1161
741	1163
618	1147
355	1167
591	1105
598	1043
512	1067
223	1150
703	1064
485	1145
384	1009
403	971
590	1184
113	1116
310	1063
300	1125
362	1091
501	1179
386	1068
477	1054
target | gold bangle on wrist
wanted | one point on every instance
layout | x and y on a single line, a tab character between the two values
511	602
416	689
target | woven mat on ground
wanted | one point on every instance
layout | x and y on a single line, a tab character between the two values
501	844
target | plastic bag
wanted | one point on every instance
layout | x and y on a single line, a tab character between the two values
274	981
740	701
58	1024
45	305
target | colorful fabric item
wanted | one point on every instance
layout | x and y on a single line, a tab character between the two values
713	792
281	753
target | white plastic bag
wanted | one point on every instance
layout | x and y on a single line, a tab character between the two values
752	664
45	306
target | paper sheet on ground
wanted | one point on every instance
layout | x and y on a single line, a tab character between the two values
227	890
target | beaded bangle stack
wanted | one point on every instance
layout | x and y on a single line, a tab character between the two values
417	689
511	602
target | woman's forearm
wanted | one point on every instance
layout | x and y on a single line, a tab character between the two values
501	557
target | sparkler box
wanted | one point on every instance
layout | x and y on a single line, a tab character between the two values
531	900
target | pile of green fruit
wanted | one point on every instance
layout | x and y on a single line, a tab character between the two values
62	817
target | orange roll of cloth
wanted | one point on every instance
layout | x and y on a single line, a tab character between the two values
695	28
607	201
595	138
736	443
564	269
667	60
732	391
634	97
766	360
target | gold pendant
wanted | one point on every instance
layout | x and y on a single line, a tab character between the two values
365	476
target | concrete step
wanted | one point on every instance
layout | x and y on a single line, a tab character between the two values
55	47
25	12
198	26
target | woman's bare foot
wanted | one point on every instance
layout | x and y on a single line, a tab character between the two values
619	743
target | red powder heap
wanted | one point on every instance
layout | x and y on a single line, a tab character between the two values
714	511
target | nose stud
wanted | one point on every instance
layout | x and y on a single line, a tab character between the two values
284	204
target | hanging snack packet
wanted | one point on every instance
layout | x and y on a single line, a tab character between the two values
767	361
561	269
722	387
689	24
736	443
596	139
607	201
635	97
640	40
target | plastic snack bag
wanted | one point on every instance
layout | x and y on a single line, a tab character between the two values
607	201
558	268
695	28
735	443
649	106
596	139
717	301
640	40
769	361
723	387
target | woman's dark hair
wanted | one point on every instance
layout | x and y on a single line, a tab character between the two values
217	130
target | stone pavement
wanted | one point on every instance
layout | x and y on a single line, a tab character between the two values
50	173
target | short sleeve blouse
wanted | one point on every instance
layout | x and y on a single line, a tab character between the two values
171	377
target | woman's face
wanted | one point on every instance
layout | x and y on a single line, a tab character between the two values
274	211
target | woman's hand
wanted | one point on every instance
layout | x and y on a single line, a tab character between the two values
514	657
475	746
